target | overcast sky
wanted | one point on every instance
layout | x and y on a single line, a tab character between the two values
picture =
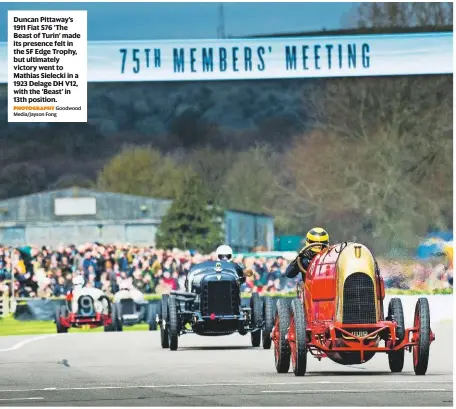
142	21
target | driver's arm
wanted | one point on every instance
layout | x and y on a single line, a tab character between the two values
239	270
293	269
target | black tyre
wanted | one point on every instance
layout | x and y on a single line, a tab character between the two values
119	327
396	312
257	319
299	351
151	319
268	316
281	347
164	322
114	317
423	322
60	312
173	324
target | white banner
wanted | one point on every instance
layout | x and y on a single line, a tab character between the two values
266	58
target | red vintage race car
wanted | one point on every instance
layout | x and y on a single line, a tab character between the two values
90	308
339	314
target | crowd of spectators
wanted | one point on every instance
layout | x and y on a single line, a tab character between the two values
45	272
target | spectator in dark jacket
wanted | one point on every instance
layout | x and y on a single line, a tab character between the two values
60	289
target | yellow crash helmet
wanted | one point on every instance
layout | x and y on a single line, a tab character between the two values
317	235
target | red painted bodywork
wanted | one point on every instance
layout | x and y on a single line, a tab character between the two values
324	333
75	321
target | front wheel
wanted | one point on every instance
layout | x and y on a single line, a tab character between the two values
396	358
173	324
281	347
268	315
164	333
297	337
422	323
60	312
151	319
257	319
119	318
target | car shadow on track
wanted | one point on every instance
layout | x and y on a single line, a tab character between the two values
215	348
363	372
348	373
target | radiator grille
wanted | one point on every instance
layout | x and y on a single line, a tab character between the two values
359	300
128	306
219	298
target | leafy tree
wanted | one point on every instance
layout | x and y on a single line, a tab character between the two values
380	154
142	171
71	180
212	167
20	179
249	184
402	14
191	222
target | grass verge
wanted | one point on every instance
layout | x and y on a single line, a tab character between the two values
11	326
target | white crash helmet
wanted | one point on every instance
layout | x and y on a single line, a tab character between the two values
125	285
78	281
224	252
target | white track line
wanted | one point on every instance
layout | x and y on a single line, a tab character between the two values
16	399
358	391
205	385
27	341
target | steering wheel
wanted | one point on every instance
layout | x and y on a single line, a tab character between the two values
309	246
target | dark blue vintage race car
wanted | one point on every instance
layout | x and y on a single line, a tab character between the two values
212	306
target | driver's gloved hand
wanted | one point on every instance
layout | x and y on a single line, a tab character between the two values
307	254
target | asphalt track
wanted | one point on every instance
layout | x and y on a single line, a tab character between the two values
131	369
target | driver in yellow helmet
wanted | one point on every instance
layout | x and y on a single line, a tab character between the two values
315	235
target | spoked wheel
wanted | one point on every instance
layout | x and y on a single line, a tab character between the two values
396	358
297	338
422	336
60	312
257	319
268	316
164	322
281	347
173	324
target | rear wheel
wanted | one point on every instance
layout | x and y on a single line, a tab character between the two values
257	319
281	347
298	338
173	324
423	336
164	321
396	312
268	316
60	312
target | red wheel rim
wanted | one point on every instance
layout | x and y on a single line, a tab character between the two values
416	324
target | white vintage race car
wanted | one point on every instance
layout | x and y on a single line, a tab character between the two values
134	309
87	307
